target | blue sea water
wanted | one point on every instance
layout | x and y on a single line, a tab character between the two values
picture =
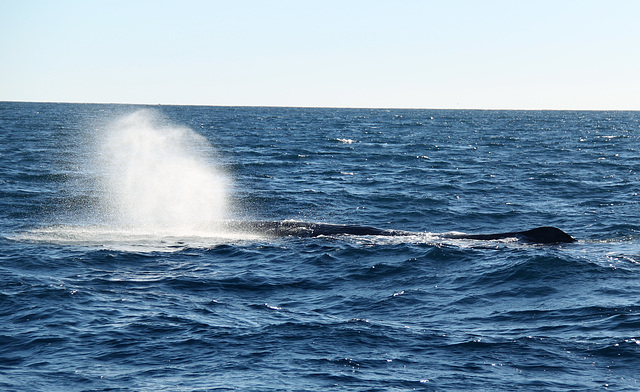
115	274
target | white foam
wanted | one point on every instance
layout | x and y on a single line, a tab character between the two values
132	239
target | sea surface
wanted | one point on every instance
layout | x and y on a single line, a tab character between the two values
117	272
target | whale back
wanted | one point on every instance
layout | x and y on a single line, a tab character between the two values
539	235
546	235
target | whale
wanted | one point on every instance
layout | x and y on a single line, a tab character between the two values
291	228
538	235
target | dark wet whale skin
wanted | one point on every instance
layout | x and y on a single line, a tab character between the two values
539	235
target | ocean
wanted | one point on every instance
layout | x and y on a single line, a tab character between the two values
118	271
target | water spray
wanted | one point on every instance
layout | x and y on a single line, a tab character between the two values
157	177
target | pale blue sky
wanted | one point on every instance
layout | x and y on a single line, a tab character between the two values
414	54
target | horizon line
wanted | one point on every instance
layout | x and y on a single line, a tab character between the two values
322	107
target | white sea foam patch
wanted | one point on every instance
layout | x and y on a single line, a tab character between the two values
132	239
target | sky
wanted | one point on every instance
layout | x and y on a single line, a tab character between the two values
488	54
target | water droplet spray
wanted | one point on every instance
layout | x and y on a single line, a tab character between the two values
157	177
